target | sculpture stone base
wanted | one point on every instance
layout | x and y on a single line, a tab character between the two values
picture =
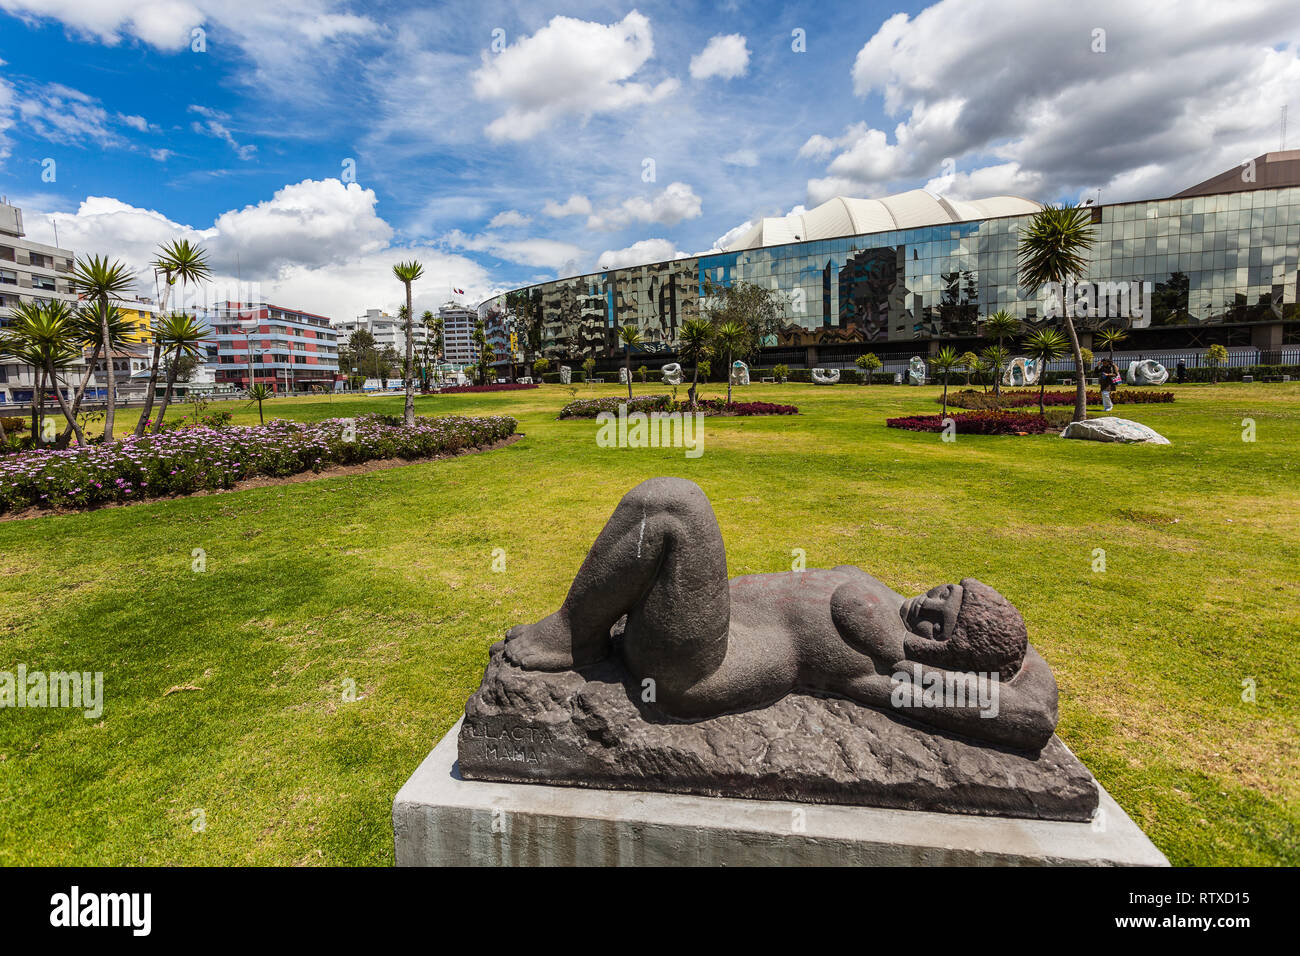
441	819
583	729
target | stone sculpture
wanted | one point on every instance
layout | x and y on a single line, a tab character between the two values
739	373
824	685
1114	429
1021	371
1146	372
916	371
622	376
566	375
672	374
825	376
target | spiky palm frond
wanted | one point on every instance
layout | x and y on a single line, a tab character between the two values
97	278
1054	246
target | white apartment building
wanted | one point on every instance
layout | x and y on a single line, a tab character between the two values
387	330
458	323
29	271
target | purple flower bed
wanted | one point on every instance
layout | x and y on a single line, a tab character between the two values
591	407
506	387
195	459
978	423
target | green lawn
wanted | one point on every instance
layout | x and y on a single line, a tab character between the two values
386	580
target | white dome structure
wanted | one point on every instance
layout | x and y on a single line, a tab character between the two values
847	216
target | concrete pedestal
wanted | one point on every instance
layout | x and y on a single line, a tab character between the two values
440	819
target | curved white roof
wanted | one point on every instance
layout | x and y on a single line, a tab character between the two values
847	216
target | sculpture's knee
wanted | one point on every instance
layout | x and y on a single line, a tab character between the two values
667	494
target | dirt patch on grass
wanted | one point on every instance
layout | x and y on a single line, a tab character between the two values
334	471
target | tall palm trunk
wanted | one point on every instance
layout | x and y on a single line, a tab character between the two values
409	412
65	407
38	405
111	412
167	394
997	372
147	411
81	389
728	376
695	379
1080	386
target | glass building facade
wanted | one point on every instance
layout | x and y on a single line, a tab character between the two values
1220	268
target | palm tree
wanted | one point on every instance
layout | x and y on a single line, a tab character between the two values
1000	325
261	392
693	338
180	335
630	336
98	279
44	336
90	323
1045	345
1053	249
1109	337
730	336
945	361
177	259
994	356
406	273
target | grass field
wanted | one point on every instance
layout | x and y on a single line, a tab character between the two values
385	580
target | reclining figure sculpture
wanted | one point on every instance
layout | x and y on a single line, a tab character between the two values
710	646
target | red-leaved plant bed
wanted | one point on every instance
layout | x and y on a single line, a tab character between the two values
1028	398
717	406
499	387
978	423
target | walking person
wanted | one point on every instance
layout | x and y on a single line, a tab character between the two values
1108	378
1182	371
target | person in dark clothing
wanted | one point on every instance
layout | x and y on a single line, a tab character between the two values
1182	371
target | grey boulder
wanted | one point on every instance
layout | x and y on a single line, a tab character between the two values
1114	429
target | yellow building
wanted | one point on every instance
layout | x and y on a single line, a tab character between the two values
139	314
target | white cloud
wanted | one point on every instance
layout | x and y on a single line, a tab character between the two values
550	253
575	205
639	253
315	245
568	68
7	96
62	115
509	218
162	155
213	124
678	201
726	56
1183	89
135	122
741	157
731	235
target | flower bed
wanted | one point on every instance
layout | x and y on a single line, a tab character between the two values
988	422
505	387
591	407
1028	398
194	459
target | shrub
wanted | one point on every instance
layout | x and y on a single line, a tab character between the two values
987	422
187	460
503	387
781	372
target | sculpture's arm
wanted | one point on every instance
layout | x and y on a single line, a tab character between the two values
1026	706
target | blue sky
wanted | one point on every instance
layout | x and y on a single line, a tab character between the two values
507	143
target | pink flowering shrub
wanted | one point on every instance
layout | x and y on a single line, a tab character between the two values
198	458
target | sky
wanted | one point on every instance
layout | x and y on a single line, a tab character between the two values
311	144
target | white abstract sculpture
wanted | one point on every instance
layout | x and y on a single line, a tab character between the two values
739	373
1146	372
525	380
824	376
672	374
1021	371
916	371
622	376
566	375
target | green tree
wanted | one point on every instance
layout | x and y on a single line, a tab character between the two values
1045	345
971	363
1053	249
694	343
1109	337
759	310
479	336
944	361
100	280
178	259
407	273
643	372
781	373
588	368
994	356
630	336
731	337
998	326
181	335
44	335
869	363
261	392
540	367
1216	356
90	325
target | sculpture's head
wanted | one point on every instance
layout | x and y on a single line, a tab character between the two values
965	627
